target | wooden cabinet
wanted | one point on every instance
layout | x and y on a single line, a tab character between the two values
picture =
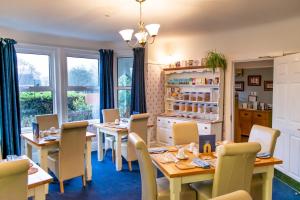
165	124
247	118
286	113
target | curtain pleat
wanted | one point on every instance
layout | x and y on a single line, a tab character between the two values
106	80
138	95
10	125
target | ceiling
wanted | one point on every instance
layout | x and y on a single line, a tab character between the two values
101	20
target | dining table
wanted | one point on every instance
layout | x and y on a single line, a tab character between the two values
180	175
118	131
44	146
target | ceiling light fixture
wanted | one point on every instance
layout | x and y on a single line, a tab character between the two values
144	33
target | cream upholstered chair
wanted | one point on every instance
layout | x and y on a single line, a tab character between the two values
152	188
238	195
47	121
14	179
233	171
110	115
185	133
137	123
69	161
267	137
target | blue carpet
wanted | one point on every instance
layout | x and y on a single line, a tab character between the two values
108	184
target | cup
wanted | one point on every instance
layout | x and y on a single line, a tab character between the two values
181	154
117	121
191	146
11	157
196	152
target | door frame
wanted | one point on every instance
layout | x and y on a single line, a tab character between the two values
232	89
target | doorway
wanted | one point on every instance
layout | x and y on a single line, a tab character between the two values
253	96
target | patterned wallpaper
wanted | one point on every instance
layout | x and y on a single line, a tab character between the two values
154	93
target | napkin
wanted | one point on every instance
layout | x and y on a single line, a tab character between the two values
263	155
201	163
51	138
158	150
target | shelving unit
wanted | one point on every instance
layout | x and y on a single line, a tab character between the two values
192	93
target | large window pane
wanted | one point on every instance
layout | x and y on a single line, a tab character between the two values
124	102
83	89
36	94
125	71
33	70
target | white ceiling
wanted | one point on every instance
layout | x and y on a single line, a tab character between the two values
102	19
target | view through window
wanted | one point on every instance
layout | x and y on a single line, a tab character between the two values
36	92
124	73
83	89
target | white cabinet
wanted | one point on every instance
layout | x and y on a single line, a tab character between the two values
286	113
165	124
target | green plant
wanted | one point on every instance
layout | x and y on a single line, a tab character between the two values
216	60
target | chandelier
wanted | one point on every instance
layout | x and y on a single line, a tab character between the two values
145	33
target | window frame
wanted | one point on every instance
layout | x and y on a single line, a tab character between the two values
52	53
76	53
117	88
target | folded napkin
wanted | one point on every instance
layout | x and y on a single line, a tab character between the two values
51	138
263	155
158	150
201	163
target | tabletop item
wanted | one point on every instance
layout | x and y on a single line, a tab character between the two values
201	163
11	157
51	138
166	158
191	146
195	151
184	166
35	130
32	170
181	154
117	121
158	150
207	143
263	155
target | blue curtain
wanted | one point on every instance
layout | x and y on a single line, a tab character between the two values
106	76
10	124
138	95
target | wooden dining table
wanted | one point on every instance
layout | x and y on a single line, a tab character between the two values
177	176
118	131
45	146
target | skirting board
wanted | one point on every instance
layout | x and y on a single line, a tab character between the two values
288	180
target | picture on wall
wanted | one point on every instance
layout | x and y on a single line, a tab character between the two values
268	85
239	86
254	80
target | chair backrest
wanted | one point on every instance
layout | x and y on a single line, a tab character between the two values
238	195
234	168
185	133
138	124
110	115
14	179
71	153
47	121
267	137
149	187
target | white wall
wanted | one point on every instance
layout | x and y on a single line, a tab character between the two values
247	43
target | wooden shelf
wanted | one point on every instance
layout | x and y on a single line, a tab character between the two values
185	68
187	101
204	86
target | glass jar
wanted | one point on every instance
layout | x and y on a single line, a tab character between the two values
182	106
188	107
201	108
193	96
186	96
195	107
200	96
207	96
176	106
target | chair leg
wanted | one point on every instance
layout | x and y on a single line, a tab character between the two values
83	180
129	166
113	152
61	186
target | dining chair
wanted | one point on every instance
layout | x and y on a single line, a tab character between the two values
233	171
69	161
110	115
185	133
152	188
267	137
238	195
138	123
47	121
13	179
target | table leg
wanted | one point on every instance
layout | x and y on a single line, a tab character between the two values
118	153
268	183
175	188
88	160
100	145
28	150
44	164
39	193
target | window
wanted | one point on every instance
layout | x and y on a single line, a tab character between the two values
124	75
83	89
35	84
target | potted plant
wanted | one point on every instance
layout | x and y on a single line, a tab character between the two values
215	60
